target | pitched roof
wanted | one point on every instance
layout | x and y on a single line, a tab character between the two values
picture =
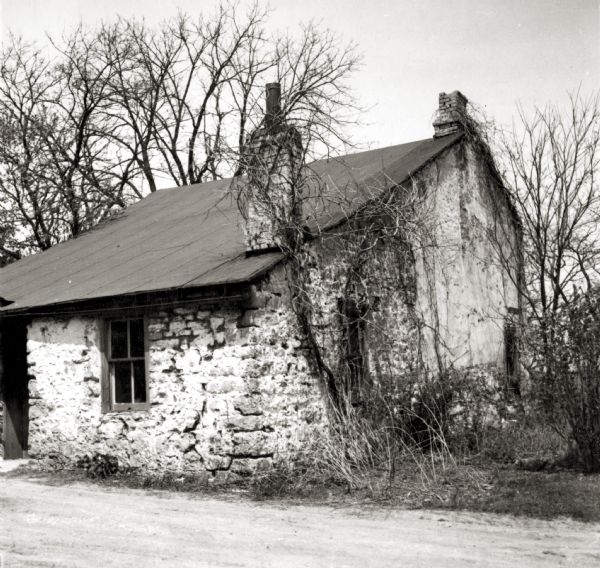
186	237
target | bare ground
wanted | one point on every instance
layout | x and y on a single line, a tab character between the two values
86	525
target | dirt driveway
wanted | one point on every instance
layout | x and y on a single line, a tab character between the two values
87	526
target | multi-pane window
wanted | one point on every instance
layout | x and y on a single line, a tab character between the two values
127	364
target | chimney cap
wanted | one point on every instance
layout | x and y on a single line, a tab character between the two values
455	96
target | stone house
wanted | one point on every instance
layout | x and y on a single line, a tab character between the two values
166	336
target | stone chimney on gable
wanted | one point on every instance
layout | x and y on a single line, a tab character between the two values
272	200
451	114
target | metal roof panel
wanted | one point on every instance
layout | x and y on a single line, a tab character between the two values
192	236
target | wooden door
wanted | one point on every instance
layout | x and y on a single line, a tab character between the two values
15	392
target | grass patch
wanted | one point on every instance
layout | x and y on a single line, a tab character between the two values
491	489
542	495
511	467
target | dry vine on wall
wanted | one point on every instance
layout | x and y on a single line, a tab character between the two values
350	261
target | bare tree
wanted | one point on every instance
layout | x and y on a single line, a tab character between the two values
56	167
549	162
117	111
550	166
171	90
81	157
313	72
188	93
28	202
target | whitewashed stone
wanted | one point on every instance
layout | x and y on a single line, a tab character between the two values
193	386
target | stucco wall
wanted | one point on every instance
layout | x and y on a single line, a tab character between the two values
463	289
445	302
229	389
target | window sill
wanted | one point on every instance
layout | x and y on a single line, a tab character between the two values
135	407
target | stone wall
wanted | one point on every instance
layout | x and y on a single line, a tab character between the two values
440	300
463	290
230	390
384	284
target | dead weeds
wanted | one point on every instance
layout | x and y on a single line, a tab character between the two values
489	488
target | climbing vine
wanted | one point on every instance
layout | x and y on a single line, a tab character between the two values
352	254
349	257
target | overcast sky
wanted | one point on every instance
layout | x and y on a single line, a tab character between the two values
495	51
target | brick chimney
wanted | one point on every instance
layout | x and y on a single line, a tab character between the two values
451	114
272	200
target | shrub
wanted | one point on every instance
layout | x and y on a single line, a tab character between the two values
99	465
405	423
567	385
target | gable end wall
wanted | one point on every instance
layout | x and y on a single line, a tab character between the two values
463	290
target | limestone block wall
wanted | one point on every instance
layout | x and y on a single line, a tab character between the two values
390	331
230	389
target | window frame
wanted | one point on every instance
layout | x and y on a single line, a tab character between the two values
353	316
511	356
108	389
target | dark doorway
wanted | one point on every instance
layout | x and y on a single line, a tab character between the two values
15	392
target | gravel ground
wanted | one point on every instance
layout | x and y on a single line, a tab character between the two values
83	525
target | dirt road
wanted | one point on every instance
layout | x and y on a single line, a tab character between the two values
87	526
